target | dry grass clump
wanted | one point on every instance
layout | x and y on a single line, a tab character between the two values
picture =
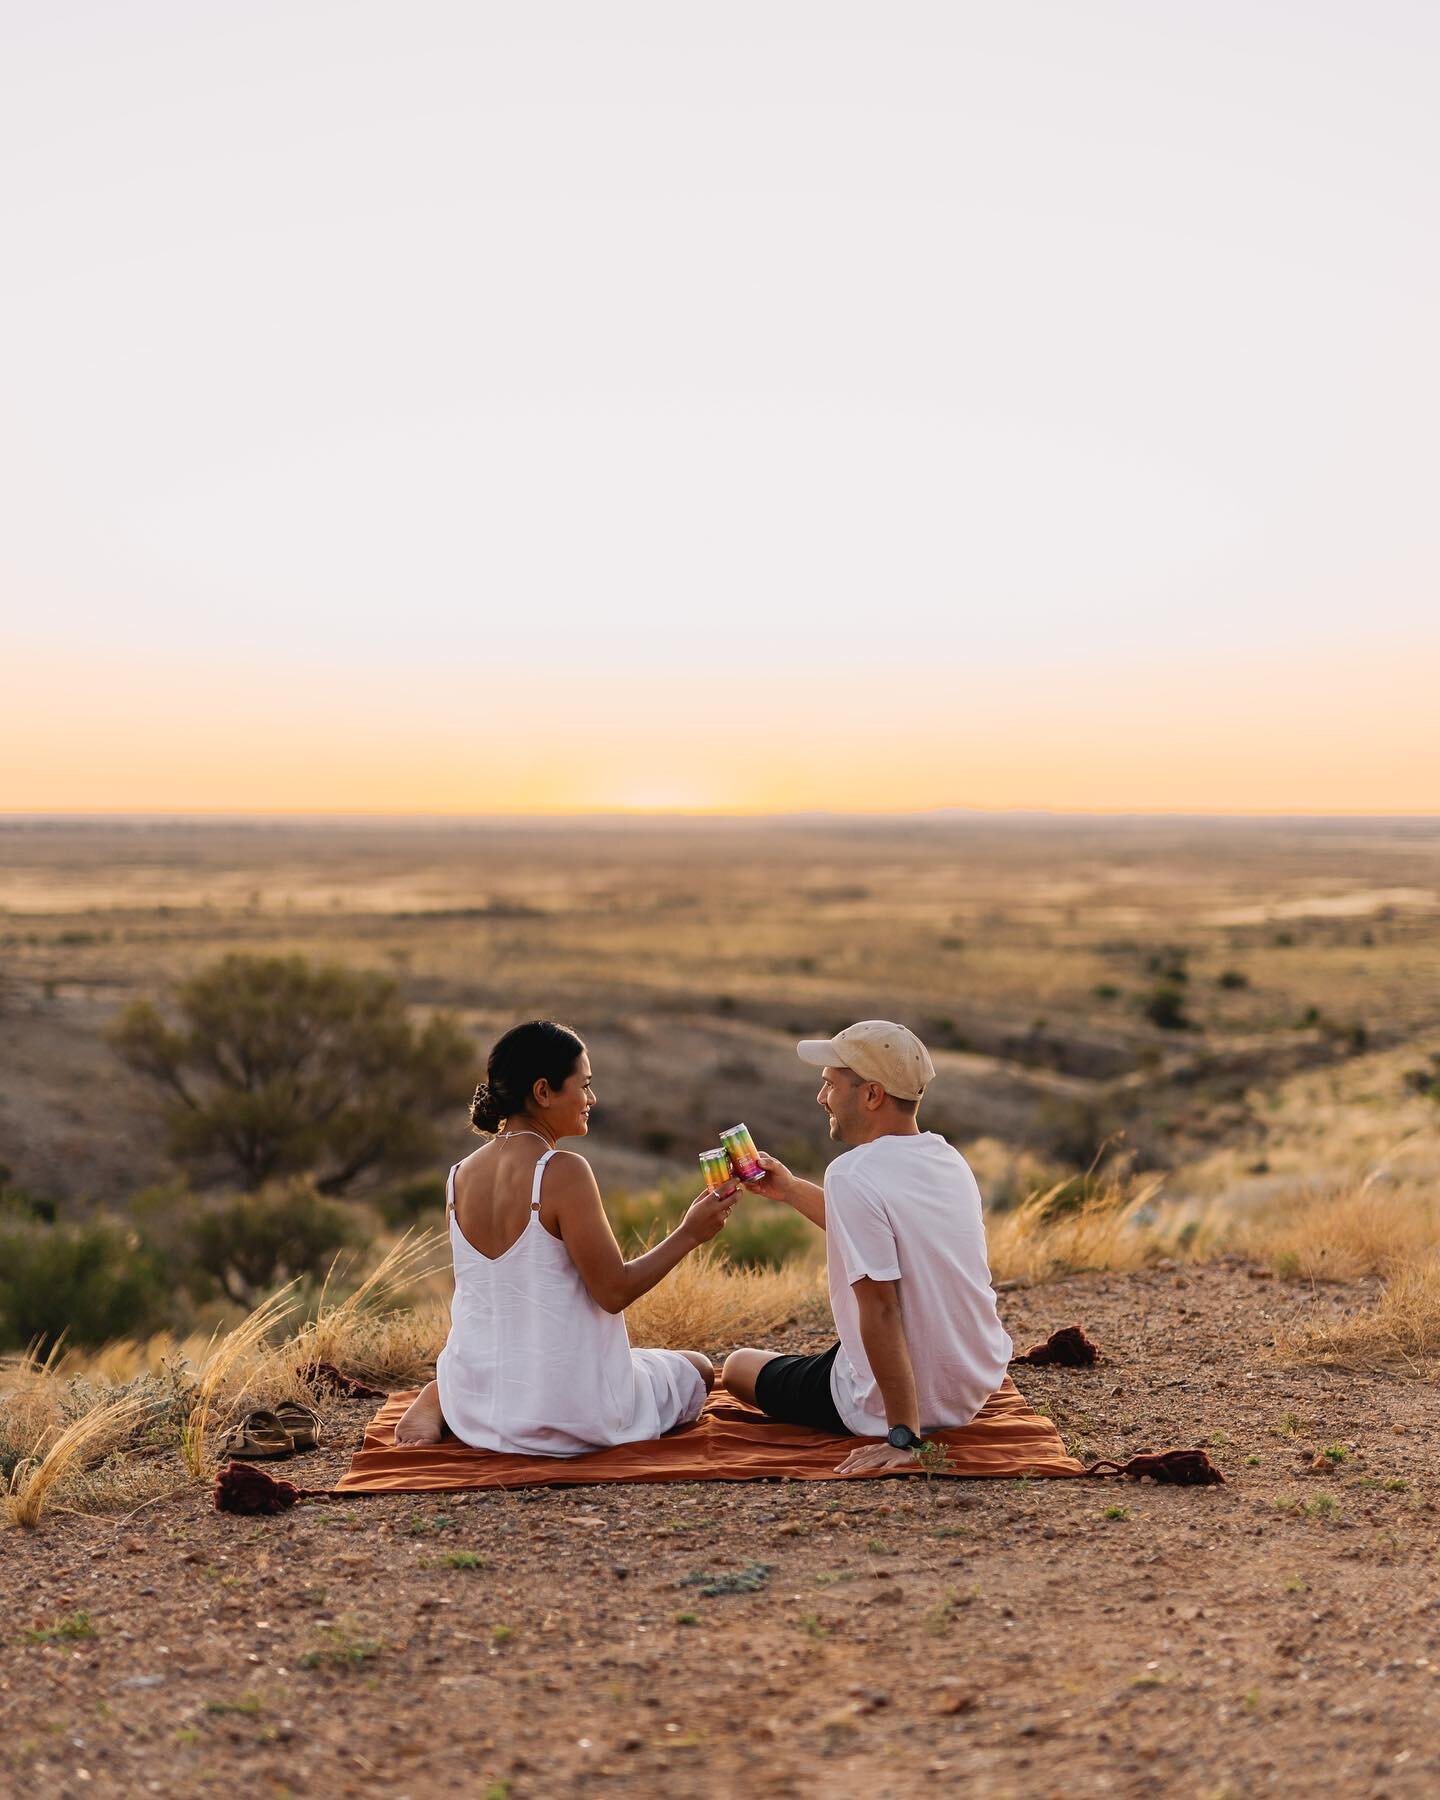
1403	1326
704	1302
1115	1223
1368	1228
70	1452
220	1379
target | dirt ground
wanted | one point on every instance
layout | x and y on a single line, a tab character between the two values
1280	1633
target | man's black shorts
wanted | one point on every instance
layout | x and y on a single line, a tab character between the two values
796	1390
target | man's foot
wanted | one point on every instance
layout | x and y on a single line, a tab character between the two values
422	1421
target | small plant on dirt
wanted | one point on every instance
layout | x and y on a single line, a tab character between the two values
453	1559
687	1618
420	1526
933	1457
68	1630
1397	1486
878	1547
501	1634
1252	1462
1291	1424
1322	1506
743	1581
1335	1453
341	1648
1219	1439
248	1704
812	1626
1296	1586
1116	1512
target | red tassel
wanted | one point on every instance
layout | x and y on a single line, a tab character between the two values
328	1380
1181	1468
1067	1348
242	1488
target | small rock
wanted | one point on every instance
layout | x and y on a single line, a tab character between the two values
619	1571
632	1740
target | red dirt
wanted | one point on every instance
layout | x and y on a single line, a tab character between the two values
999	1638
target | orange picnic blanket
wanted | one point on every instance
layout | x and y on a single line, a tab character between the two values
728	1442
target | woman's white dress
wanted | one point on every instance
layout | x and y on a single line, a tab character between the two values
533	1365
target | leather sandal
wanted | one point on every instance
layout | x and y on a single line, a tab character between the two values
301	1422
259	1435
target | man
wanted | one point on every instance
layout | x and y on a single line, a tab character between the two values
921	1343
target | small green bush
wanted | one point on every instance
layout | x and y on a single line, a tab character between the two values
93	1282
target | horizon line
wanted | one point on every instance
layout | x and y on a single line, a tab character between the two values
717	813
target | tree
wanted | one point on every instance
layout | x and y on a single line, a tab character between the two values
278	1067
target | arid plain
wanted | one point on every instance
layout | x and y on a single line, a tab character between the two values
1246	1013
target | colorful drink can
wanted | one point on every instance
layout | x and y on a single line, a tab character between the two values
740	1147
715	1167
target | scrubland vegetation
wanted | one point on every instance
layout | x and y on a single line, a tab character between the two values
235	1063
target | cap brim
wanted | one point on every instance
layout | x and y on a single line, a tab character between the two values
820	1053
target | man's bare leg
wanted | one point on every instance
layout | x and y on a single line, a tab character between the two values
741	1368
422	1421
704	1368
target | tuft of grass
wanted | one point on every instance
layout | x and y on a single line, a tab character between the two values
501	1634
705	1301
744	1581
248	1705
1335	1453
455	1559
1320	1506
1402	1326
341	1648
813	1626
225	1355
33	1480
687	1618
69	1630
1116	1512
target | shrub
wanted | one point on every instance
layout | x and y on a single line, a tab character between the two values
93	1282
1232	979
249	1244
1165	1007
277	1067
757	1235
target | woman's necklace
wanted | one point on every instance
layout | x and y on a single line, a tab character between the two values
500	1136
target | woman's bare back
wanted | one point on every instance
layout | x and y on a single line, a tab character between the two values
492	1194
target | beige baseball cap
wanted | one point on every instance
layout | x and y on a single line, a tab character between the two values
877	1050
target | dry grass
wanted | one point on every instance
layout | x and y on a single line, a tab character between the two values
705	1303
227	1356
1403	1326
1120	1225
1369	1227
86	1440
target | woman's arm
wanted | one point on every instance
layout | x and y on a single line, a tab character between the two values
587	1235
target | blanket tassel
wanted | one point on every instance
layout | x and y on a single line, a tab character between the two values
1067	1348
242	1488
1180	1468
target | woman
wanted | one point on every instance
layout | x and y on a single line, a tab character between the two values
538	1361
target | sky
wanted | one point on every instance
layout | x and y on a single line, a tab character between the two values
465	408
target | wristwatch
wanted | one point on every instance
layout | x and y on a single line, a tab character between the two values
901	1437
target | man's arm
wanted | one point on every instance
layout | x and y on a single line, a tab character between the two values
806	1197
882	1331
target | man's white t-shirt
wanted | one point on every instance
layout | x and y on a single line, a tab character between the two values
908	1209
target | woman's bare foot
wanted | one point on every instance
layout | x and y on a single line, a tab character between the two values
422	1421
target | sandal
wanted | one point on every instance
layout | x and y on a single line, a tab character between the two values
258	1435
301	1422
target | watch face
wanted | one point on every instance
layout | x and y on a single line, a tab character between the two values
901	1437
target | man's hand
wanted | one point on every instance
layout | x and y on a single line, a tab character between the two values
777	1183
871	1457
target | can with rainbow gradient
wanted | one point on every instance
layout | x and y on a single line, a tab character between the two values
715	1167
740	1147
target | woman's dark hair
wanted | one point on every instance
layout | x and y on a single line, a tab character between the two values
536	1051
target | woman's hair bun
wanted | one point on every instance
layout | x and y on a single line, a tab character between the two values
485	1114
538	1050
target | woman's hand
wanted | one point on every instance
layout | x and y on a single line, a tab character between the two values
777	1183
708	1212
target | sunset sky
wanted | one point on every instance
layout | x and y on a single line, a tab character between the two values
475	408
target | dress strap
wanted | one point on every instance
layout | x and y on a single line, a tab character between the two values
539	1172
450	1192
